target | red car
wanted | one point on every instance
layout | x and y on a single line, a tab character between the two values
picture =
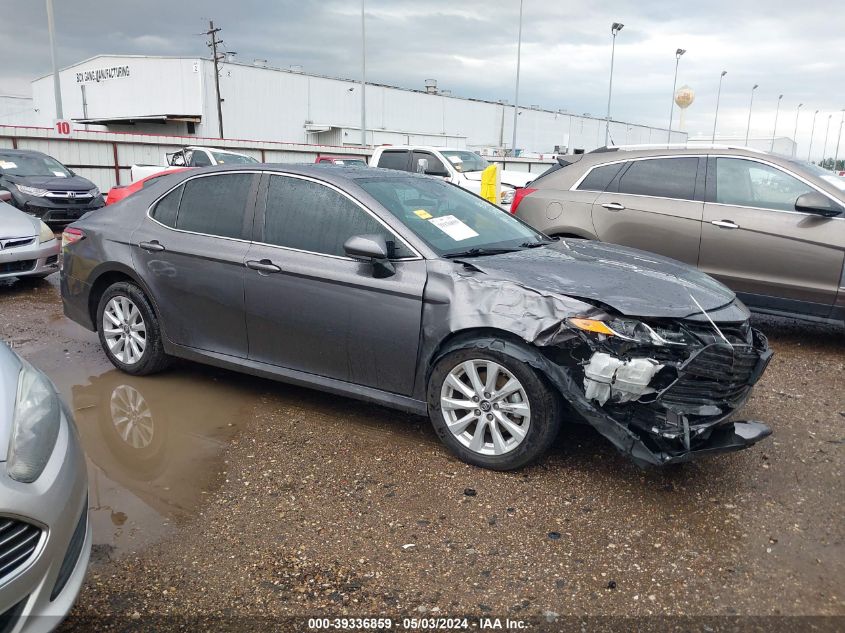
119	192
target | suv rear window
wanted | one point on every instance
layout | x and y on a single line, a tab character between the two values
600	177
661	177
395	159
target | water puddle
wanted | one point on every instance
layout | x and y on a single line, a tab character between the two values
153	443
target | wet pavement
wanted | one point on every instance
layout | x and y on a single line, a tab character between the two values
214	493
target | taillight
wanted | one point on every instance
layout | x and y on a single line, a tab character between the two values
518	195
71	236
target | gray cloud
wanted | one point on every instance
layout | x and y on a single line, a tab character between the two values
470	47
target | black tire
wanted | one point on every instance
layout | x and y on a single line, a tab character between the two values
153	359
544	402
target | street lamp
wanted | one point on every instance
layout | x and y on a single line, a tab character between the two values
795	134
678	54
826	134
750	105
614	29
775	130
516	96
812	129
363	77
838	138
718	96
57	88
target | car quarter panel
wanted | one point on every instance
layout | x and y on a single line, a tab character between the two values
559	211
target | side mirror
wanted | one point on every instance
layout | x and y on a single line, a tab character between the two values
5	196
370	248
422	165
814	202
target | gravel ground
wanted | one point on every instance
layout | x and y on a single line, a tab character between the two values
327	506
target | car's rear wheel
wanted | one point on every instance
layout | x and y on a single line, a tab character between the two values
129	330
491	409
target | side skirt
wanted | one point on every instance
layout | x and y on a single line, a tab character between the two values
300	378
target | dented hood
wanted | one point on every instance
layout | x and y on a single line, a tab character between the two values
633	282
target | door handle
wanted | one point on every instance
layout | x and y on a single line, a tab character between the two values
614	206
152	247
725	224
264	266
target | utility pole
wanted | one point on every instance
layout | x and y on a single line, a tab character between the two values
57	87
775	129
216	58
826	134
750	107
614	29
795	133
812	131
838	138
364	79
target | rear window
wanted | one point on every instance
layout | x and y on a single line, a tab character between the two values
167	208
661	177
394	160
600	177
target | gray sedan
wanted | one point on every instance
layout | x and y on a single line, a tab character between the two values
411	292
45	537
28	247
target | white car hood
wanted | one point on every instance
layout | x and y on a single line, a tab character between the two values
512	178
14	223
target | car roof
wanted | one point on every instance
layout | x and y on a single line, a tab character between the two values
322	171
21	152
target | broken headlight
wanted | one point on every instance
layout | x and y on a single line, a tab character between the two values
631	330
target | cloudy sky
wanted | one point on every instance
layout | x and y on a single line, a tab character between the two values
792	48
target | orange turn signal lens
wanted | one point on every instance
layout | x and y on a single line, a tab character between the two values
591	325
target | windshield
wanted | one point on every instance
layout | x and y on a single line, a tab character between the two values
828	176
224	158
465	161
450	219
21	165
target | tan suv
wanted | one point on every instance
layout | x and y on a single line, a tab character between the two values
769	227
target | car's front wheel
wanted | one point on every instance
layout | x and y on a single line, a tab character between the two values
129	330
491	409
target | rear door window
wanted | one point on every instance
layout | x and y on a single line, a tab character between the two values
600	177
661	178
394	159
312	217
215	205
166	209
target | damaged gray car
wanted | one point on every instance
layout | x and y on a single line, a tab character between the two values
413	293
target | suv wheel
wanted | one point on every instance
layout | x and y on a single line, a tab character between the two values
492	410
129	330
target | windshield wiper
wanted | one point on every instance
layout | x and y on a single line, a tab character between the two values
536	244
478	252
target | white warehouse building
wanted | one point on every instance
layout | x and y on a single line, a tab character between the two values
176	96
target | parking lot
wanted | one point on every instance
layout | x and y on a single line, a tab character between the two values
214	493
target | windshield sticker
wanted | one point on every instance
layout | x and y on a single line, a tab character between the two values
422	213
59	174
453	227
454	159
7	165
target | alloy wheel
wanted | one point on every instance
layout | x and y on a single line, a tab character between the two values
485	407
124	330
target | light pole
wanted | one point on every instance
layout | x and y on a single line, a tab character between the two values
812	130
775	129
614	29
826	134
838	138
516	95
678	54
718	96
57	87
363	78
750	105
795	133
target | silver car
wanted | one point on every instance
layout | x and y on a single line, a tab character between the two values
45	536
28	247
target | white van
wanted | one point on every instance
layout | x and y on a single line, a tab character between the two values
459	166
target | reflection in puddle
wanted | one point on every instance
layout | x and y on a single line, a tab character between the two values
153	443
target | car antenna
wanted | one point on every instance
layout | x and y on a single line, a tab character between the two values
707	316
